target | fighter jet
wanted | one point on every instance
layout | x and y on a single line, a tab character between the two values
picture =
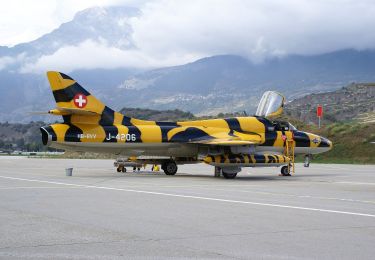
228	144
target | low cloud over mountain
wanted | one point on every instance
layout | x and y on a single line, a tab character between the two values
165	33
204	57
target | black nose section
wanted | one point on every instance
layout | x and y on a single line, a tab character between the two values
301	139
324	142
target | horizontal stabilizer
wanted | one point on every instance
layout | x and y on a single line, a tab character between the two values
71	111
37	113
64	111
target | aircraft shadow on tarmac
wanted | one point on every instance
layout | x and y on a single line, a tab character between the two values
255	177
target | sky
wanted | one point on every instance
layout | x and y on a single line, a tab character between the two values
172	32
25	20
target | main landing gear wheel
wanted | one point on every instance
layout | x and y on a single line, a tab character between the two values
123	169
169	168
285	171
118	169
229	175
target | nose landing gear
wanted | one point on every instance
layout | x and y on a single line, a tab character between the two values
285	170
307	160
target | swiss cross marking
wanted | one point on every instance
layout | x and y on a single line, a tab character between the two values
80	100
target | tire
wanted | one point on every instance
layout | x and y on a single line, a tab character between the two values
124	169
285	171
118	169
170	168
229	175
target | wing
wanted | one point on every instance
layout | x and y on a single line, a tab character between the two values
212	136
227	142
244	139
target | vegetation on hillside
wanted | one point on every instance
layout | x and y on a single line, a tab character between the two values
22	137
352	140
157	115
355	101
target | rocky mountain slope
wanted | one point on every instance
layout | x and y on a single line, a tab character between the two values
230	83
353	102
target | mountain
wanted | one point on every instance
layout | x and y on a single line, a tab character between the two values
353	102
232	83
22	91
208	86
108	24
158	115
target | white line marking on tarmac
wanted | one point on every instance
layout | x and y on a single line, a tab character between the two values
354	183
292	195
195	197
37	187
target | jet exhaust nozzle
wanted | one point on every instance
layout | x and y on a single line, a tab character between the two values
46	136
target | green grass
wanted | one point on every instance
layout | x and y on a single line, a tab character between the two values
351	143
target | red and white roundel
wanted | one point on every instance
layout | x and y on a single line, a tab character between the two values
80	100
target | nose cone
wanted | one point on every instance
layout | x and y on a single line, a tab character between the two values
310	143
325	143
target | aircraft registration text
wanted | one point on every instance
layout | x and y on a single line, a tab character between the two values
122	137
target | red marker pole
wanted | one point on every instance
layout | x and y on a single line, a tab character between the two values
319	113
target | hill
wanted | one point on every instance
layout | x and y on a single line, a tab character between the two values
24	137
157	115
346	122
353	102
228	83
351	142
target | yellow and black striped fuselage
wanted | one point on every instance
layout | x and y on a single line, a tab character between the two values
113	132
90	125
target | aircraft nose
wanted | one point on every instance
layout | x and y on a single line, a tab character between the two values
324	142
311	143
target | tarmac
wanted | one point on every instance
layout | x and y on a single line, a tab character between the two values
322	212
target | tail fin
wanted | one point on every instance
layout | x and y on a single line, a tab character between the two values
70	96
76	104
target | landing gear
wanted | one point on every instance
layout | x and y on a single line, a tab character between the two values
169	167
230	172
121	169
307	160
285	170
229	175
217	171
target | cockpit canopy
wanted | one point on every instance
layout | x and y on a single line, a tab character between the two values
283	126
271	104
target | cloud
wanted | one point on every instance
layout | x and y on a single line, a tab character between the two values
90	54
24	21
173	32
255	28
6	61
